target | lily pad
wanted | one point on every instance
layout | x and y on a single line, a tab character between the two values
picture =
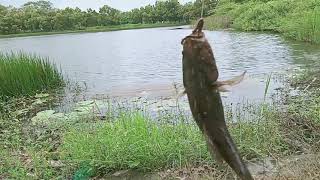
94	107
39	101
43	117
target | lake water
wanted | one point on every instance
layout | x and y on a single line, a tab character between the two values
147	62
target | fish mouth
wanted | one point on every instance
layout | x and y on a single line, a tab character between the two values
197	33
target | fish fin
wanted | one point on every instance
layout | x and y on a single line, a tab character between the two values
224	85
224	88
234	81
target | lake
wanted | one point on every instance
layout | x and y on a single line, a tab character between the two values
147	62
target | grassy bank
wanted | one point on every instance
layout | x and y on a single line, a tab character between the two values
296	19
22	75
88	143
100	137
83	143
306	108
94	29
136	141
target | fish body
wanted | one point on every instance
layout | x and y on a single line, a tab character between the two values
200	75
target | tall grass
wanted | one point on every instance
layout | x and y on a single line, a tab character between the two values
308	105
23	74
304	26
137	141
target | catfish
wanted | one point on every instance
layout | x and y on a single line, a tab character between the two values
200	80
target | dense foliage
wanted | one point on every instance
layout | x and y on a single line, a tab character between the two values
41	16
297	19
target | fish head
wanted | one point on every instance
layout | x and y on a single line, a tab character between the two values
194	42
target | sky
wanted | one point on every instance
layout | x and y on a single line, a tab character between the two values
123	5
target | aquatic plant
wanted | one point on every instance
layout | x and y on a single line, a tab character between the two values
24	74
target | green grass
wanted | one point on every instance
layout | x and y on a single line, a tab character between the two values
86	146
296	19
303	26
11	166
80	144
307	106
94	29
22	74
136	141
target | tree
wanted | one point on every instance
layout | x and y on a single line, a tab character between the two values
42	16
208	7
40	5
109	15
3	9
172	8
136	16
92	18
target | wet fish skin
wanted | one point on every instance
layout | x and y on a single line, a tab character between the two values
200	75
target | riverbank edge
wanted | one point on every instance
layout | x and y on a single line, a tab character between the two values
261	168
299	23
96	29
35	157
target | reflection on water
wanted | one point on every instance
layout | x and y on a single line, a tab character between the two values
147	62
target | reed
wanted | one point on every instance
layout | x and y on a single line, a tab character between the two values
23	74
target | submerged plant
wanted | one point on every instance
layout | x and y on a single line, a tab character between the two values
23	74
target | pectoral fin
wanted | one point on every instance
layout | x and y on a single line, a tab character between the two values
223	86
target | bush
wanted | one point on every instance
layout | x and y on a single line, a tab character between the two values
294	18
304	26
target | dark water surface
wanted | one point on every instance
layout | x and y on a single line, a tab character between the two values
147	62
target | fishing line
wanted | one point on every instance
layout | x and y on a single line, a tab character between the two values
202	9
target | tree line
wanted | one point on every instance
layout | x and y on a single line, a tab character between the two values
41	16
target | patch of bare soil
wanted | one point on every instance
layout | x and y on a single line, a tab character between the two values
302	167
